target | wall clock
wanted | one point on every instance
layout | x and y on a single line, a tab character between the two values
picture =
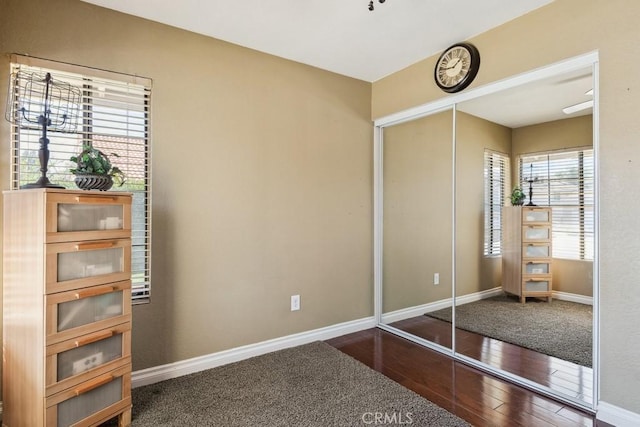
457	67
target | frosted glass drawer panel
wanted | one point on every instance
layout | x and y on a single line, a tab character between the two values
74	212
77	265
536	233
537	251
76	217
91	401
536	285
88	310
80	264
537	268
85	404
79	312
91	355
536	215
74	361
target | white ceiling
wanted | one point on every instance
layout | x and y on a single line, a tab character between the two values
342	36
536	102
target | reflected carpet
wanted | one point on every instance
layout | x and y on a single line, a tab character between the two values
560	329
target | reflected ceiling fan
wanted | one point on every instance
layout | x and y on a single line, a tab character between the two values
581	105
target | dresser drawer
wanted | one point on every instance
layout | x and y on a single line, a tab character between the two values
536	250
74	313
536	285
536	267
536	215
536	233
92	401
78	264
89	216
76	360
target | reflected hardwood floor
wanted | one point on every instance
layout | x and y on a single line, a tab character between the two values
473	395
565	377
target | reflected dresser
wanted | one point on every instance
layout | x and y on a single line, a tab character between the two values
66	308
526	251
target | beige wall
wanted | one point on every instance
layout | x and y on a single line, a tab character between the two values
262	178
570	276
563	29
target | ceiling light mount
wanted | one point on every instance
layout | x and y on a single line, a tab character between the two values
371	8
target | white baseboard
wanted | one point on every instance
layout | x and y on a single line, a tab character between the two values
419	310
617	416
197	364
415	311
477	296
565	296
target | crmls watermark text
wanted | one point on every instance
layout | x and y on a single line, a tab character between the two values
381	418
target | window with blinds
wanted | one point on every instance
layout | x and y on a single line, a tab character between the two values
114	116
564	180
496	190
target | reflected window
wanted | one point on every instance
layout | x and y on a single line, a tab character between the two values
496	185
564	180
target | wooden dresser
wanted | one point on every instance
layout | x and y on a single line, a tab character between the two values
526	251
67	308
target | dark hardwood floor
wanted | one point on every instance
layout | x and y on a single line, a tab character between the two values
559	375
477	397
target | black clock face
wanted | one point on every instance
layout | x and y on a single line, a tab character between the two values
457	67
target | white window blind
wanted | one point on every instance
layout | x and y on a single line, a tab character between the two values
496	185
114	116
564	180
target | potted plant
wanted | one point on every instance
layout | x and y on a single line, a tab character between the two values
94	170
517	196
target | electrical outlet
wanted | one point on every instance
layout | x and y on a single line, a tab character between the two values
436	278
295	302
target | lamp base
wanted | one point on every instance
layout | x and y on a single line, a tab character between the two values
43	182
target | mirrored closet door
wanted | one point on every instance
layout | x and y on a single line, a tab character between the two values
446	228
417	160
510	260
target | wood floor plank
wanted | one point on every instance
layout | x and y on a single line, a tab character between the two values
516	414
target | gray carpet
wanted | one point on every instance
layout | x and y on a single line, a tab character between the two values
309	385
561	329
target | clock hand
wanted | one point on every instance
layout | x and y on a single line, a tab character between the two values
453	66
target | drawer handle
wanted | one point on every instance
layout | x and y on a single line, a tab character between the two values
94	245
93	338
85	293
104	379
94	199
